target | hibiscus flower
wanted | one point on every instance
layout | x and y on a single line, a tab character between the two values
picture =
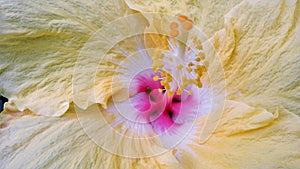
145	84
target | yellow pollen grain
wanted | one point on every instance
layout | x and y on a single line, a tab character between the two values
167	87
170	59
199	74
170	93
191	64
156	70
155	78
162	83
200	68
199	84
169	78
179	91
198	59
160	90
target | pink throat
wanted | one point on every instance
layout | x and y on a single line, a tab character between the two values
161	111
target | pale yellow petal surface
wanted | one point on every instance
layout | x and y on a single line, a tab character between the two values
30	141
206	14
100	59
39	46
259	49
248	137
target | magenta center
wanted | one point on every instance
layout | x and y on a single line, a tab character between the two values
161	111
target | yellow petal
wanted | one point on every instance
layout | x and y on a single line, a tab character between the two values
39	46
207	15
239	118
259	50
49	142
101	59
247	137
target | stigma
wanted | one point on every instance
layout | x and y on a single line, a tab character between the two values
181	65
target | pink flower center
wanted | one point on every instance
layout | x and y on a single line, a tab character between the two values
156	107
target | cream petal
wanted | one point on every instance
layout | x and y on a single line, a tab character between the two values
39	46
104	57
247	137
30	141
259	49
239	118
207	15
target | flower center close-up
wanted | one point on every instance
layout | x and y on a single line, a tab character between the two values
155	106
164	84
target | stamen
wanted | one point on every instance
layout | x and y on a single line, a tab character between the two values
173	25
170	93
182	18
198	59
191	64
180	63
174	33
179	91
156	70
155	78
187	25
